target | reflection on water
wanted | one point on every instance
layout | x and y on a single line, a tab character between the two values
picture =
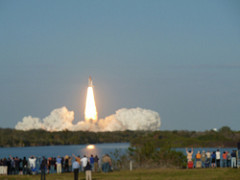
90	146
90	150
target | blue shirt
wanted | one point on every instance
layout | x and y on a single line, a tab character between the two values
91	160
75	165
59	160
213	156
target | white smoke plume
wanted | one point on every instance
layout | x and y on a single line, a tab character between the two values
29	123
131	119
124	119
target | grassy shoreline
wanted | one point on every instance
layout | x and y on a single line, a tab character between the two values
144	174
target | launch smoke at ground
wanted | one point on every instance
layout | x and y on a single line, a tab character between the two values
124	119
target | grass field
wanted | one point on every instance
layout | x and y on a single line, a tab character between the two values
144	174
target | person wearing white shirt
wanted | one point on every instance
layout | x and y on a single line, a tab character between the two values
84	161
32	164
218	157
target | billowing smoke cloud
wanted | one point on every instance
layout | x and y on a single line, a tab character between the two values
131	119
28	123
124	119
58	120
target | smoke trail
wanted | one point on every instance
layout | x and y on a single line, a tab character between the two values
124	119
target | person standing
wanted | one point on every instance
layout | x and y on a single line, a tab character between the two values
208	154
75	167
77	158
24	166
88	171
189	158
12	165
203	158
198	160
224	159
213	159
1	167
62	164
43	167
218	157
106	163
16	160
91	159
84	161
32	163
59	164
66	164
189	154
96	167
5	167
228	159
52	165
109	163
20	166
233	160
70	163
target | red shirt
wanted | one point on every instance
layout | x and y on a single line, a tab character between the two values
224	155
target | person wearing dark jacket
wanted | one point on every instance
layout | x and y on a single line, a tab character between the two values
96	163
43	167
88	171
233	160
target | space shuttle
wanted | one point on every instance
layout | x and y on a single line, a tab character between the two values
90	84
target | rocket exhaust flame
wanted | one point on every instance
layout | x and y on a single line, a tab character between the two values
90	108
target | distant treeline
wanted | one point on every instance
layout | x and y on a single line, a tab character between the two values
225	137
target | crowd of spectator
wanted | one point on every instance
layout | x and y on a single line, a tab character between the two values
212	159
36	165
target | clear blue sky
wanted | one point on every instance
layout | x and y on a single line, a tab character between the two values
179	58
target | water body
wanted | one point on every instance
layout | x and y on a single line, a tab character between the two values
62	150
99	149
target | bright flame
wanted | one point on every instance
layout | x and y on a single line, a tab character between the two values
90	146
90	108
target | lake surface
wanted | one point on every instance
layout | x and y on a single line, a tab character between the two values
62	150
98	149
